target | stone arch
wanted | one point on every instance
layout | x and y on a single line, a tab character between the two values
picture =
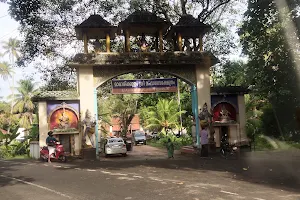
103	74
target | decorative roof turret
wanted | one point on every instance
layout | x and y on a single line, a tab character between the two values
188	27
144	23
95	27
140	22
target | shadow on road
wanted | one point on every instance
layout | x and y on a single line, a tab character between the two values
275	169
6	175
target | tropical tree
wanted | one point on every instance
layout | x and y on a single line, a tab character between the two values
273	61
11	48
232	73
23	103
53	33
5	70
124	108
8	128
163	116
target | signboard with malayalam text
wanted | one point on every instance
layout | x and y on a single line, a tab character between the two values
144	86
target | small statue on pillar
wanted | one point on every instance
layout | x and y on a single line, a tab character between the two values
206	119
88	123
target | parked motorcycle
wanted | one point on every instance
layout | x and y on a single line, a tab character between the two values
59	154
228	150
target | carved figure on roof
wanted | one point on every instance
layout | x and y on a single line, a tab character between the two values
143	43
97	46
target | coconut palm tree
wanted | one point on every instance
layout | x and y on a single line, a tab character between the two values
5	70
11	48
23	103
164	116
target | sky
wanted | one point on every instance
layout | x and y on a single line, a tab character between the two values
9	29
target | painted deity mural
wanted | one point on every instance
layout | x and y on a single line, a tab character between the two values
63	116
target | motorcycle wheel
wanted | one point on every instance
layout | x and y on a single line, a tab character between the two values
63	158
42	159
223	153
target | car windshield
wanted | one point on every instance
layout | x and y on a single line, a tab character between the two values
139	134
115	140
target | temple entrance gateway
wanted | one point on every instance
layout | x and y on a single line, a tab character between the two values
183	57
95	67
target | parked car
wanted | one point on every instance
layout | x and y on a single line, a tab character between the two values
139	137
115	146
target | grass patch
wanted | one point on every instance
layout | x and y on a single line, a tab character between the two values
18	157
262	144
294	144
156	144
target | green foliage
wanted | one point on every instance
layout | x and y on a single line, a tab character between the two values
184	140
269	124
163	116
272	66
123	107
19	148
49	34
4	107
33	133
5	152
24	106
10	124
262	144
5	70
11	48
14	149
230	74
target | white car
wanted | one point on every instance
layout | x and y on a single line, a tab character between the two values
115	146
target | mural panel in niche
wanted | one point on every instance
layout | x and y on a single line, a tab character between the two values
224	112
63	117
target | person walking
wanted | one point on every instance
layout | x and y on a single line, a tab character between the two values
170	148
204	141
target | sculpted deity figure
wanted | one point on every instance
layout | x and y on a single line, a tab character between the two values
64	121
89	123
224	114
206	119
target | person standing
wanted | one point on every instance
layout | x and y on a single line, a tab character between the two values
204	141
170	148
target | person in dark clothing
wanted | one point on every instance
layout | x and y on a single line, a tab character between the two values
50	141
170	148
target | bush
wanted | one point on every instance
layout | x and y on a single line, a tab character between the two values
19	148
5	152
184	140
262	144
15	148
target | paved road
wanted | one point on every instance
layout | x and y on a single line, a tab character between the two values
257	176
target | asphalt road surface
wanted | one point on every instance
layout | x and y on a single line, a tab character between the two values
256	176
